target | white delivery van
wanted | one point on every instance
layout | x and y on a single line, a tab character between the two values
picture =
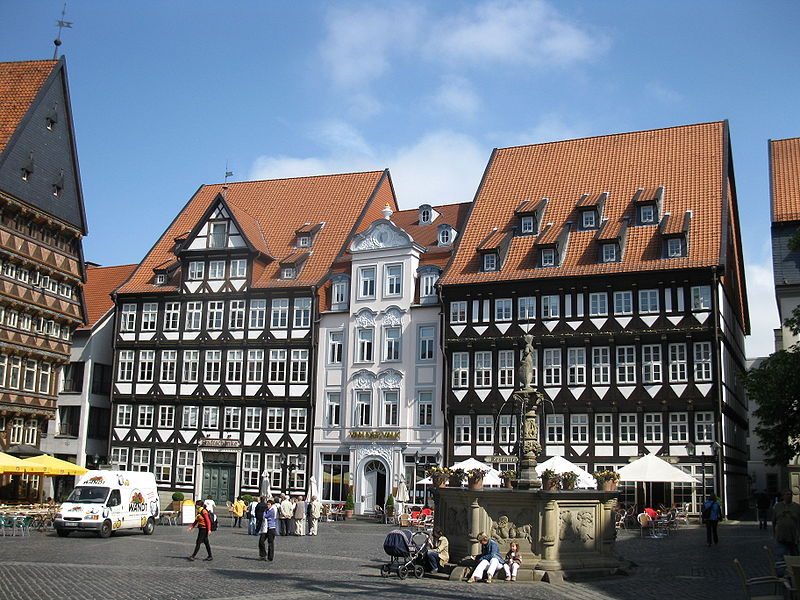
104	501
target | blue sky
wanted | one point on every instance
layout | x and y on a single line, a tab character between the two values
166	93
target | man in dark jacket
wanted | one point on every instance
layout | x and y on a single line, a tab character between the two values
260	508
712	515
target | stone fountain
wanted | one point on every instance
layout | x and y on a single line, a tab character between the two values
560	533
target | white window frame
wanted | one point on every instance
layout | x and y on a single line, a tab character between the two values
503	309
460	370
526	308
191	366
216	269
609	253
210	417
462	428
490	261
234	366
392	344
458	312
576	366
704	427
653	428
172	316
279	318
425	408
212	367
623	302
277	365
302	313
258	314
127	321
365	345
194	316
252	418
196	270
651	363
426	344
393	281
215	315
551	360
484	429
554	428
678	427
333	409
701	297
149	316
603	428
236	310
598	304
238	268
299	366
678	366
628	428
579	428
483	369
362	406
124	417
366	283
601	365
551	306
649	302
391	408
505	368
626	364
702	361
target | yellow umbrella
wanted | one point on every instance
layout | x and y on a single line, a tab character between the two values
13	465
49	465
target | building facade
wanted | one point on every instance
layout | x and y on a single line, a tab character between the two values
215	344
379	415
42	222
79	430
621	256
784	161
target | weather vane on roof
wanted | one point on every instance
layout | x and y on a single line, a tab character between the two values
227	173
61	25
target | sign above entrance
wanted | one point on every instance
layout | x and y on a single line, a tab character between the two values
219	443
501	459
375	435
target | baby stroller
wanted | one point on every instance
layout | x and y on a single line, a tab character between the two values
407	551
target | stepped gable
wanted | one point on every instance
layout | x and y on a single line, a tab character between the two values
785	179
270	212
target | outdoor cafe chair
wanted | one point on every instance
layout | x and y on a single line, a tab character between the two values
779	586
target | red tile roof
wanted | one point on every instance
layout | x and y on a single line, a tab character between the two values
276	209
785	179
20	82
689	161
100	282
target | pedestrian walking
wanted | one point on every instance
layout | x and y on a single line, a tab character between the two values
251	517
786	525
238	509
763	503
269	525
314	513
711	515
299	516
287	510
202	523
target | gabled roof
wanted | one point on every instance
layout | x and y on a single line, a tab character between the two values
100	282
20	83
689	162
784	167
275	209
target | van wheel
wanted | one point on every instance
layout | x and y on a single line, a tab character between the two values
63	532
105	530
149	527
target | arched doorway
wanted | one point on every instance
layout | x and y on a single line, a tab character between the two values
374	485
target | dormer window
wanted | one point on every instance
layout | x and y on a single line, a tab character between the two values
341	292
161	279
217	234
445	235
647	214
609	253
288	272
424	216
58	185
51	119
27	168
548	257
490	261
527	225
675	247
303	241
589	219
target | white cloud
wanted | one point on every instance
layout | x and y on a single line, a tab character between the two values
551	127
442	167
342	137
763	309
663	93
456	95
524	32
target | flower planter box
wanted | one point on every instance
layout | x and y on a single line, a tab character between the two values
475	484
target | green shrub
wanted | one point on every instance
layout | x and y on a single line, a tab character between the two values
177	496
349	504
247	498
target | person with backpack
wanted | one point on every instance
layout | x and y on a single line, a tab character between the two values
711	515
204	525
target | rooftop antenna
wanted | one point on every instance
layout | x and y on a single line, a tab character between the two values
61	25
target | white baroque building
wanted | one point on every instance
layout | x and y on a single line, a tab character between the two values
379	414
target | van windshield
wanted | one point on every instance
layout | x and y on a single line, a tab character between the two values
90	495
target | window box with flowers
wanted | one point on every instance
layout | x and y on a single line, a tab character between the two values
569	480
438	475
550	480
508	477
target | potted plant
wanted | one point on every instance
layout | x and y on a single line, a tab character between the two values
507	477
606	480
568	480
457	477
388	508
177	500
550	480
247	498
349	506
475	478
438	475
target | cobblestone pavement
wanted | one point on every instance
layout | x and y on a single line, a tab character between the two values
343	562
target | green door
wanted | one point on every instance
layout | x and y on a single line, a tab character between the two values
218	482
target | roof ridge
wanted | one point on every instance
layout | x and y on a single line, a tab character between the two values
612	135
321	176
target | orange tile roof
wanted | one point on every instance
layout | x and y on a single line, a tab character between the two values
20	82
784	165
277	208
100	282
689	161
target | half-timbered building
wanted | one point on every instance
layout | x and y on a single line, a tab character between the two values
379	415
215	342
621	255
42	222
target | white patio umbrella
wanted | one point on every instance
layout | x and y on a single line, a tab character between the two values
492	478
559	464
652	469
313	490
402	495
